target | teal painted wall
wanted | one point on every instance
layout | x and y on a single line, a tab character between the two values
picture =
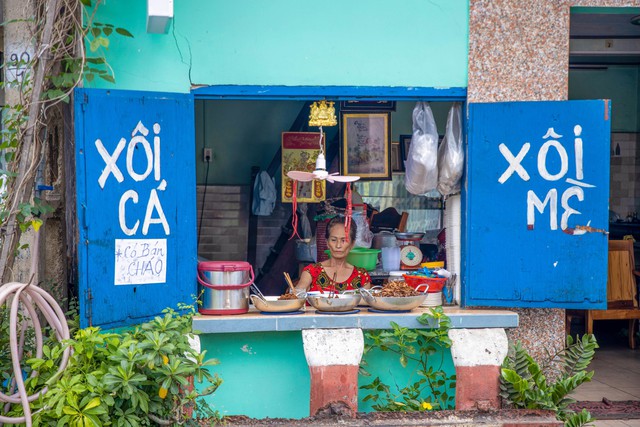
266	374
288	42
621	84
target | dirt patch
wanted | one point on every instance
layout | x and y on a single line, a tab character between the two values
328	417
610	410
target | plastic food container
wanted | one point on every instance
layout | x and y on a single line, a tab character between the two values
435	283
433	264
361	257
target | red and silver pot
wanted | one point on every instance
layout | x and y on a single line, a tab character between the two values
223	286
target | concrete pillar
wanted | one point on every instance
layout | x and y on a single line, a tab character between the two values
18	48
333	356
477	355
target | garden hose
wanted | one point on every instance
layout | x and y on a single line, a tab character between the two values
32	297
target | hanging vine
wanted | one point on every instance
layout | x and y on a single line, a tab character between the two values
60	29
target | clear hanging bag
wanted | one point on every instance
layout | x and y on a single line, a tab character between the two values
422	160
451	154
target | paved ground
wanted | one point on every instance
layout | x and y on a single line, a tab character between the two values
616	378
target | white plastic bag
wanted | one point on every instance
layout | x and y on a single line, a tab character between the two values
364	236
451	153
422	161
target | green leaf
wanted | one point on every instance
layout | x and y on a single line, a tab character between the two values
123	32
92	403
86	2
108	78
94	45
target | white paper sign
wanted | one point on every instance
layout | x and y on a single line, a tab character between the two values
140	261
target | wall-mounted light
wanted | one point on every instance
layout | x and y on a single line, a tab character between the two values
159	16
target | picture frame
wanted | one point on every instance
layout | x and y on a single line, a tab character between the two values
405	143
368	106
397	163
365	145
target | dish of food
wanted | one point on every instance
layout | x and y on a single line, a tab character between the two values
334	302
396	296
274	304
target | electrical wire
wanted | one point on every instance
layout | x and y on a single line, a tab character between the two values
26	298
204	196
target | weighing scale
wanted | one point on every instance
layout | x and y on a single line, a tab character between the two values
410	253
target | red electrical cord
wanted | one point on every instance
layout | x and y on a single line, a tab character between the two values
294	214
349	210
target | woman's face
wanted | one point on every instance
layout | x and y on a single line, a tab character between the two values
338	243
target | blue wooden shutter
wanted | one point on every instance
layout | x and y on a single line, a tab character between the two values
535	211
135	175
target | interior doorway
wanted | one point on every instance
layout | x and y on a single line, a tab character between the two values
604	63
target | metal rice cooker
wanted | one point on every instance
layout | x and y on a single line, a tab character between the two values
223	286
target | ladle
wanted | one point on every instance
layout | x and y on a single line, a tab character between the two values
257	292
298	293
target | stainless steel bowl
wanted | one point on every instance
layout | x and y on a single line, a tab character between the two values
408	235
393	303
337	302
274	305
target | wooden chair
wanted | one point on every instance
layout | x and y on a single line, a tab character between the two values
622	291
389	219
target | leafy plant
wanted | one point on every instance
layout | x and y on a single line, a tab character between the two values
38	83
135	378
432	389
524	385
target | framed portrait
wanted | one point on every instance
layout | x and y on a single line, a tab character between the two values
405	143
397	163
365	145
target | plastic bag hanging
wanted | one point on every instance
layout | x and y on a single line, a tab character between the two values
422	160
451	154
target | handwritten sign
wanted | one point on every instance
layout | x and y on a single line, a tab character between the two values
140	261
551	141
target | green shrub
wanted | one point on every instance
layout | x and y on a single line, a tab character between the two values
524	385
433	387
134	378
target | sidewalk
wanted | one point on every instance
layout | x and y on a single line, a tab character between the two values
616	378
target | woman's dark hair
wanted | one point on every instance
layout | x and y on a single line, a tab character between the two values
340	220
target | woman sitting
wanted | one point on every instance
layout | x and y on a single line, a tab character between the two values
335	274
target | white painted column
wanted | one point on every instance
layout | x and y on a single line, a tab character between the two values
477	355
333	356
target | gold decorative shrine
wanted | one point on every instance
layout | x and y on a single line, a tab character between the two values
323	113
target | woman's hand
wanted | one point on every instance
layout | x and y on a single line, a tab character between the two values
304	283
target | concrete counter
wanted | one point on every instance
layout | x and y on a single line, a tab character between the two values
254	321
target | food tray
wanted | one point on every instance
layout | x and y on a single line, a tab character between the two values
274	305
334	302
393	303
